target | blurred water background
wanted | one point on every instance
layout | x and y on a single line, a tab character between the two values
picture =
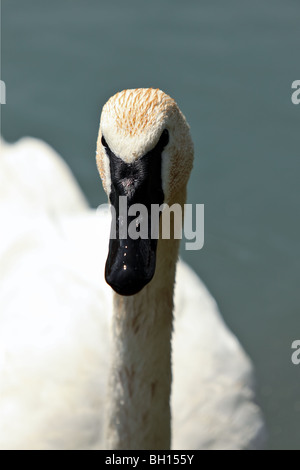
230	66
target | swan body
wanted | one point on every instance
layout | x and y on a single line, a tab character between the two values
56	317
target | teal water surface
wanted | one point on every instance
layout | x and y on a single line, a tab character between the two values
230	66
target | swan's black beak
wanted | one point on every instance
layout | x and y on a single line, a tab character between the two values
131	259
130	264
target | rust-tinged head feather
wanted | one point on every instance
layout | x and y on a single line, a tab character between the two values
136	111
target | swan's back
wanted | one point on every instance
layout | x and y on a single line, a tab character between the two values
52	292
213	378
55	324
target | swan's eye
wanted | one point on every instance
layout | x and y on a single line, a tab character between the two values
104	143
164	138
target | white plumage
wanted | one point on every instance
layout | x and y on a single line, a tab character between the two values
55	310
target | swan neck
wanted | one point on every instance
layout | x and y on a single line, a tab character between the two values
139	415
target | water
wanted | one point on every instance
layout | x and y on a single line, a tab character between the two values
230	66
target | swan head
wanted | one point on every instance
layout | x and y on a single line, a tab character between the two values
144	152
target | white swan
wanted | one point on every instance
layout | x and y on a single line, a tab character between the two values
55	311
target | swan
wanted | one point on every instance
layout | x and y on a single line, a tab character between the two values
147	363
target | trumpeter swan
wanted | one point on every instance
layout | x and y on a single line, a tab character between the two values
64	335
